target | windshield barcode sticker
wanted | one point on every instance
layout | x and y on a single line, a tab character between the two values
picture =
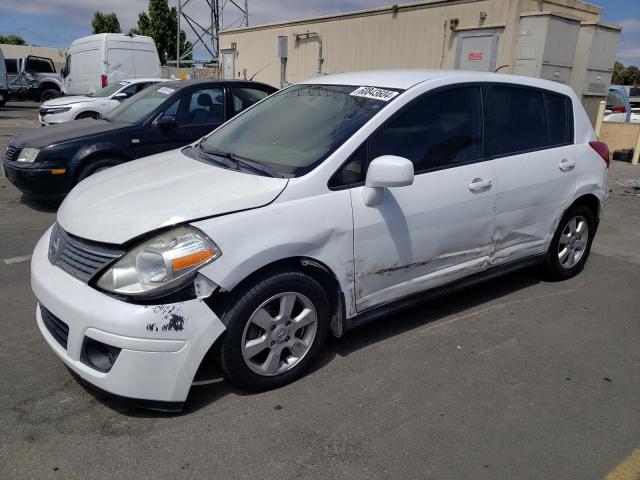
375	93
166	90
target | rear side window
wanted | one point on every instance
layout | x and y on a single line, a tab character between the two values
244	97
560	116
518	123
438	130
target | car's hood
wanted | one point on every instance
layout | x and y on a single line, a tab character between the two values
143	195
64	132
62	101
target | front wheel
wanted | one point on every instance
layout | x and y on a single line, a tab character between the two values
571	244
275	328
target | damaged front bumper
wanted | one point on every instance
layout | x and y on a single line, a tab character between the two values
143	352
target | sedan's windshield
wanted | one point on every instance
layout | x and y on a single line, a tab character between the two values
136	108
109	89
294	130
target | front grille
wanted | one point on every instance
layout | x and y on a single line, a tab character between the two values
11	155
81	258
57	328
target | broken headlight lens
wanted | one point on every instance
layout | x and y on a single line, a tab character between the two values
160	263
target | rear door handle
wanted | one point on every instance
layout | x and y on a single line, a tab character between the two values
480	184
565	165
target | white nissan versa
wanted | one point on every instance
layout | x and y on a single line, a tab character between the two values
322	207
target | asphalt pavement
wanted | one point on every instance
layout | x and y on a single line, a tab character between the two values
518	378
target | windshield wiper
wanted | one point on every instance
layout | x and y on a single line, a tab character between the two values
245	162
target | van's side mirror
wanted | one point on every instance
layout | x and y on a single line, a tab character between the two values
167	122
63	72
386	171
120	96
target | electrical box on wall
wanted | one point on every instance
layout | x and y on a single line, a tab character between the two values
546	46
283	45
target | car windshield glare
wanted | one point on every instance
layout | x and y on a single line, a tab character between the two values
296	129
136	108
109	90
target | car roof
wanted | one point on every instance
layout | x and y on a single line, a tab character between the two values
149	79
405	79
188	83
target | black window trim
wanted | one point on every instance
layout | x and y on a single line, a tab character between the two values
486	110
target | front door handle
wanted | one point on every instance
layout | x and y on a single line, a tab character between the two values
479	184
566	165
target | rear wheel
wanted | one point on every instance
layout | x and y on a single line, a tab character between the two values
275	328
49	94
571	244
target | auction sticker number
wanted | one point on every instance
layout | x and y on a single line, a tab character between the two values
375	93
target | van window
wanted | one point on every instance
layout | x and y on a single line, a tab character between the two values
518	123
437	130
11	64
352	172
560	117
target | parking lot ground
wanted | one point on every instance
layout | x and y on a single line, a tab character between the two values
517	378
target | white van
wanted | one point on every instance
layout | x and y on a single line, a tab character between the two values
4	88
100	60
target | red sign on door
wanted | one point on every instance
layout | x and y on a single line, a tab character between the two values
475	57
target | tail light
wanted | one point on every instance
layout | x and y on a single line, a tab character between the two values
620	109
603	150
103	78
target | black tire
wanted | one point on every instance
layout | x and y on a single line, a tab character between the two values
553	268
93	115
238	311
49	94
94	166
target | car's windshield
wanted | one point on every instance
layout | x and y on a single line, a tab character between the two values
109	89
136	108
297	128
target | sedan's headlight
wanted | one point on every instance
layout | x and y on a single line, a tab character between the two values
28	155
55	111
161	263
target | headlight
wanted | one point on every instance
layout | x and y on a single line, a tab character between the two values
28	155
160	263
55	111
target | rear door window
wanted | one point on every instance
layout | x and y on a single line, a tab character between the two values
437	130
560	116
243	97
518	123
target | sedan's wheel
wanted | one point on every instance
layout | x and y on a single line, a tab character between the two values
571	243
279	333
275	327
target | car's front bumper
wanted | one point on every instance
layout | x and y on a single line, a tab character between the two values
54	119
161	345
36	180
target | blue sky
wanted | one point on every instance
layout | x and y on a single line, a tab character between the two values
56	23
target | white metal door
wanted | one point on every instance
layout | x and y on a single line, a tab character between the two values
228	64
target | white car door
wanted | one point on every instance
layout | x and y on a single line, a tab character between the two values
439	228
535	161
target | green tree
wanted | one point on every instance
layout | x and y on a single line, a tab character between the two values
629	75
161	24
618	74
12	40
105	23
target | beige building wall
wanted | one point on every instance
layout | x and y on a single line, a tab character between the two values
411	36
57	55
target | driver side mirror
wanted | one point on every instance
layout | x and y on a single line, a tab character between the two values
167	122
120	96
386	171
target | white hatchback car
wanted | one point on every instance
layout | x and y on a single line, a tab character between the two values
93	105
324	206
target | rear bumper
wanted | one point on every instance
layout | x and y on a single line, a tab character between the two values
39	181
156	361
